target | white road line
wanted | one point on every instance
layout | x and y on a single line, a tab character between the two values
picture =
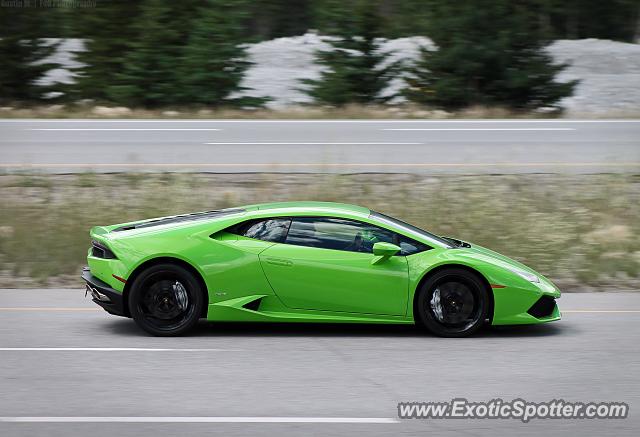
115	129
484	129
374	143
195	419
110	349
600	311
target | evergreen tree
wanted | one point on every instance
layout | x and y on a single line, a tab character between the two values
489	53
108	31
334	17
149	69
576	19
406	18
277	18
22	51
353	72
213	61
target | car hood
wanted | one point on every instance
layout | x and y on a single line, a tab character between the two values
482	254
488	255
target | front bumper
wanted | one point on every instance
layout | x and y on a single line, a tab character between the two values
519	306
109	299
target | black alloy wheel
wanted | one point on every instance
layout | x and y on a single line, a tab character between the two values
452	303
166	300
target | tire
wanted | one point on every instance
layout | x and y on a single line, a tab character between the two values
452	303
166	300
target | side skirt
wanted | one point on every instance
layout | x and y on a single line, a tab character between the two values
245	309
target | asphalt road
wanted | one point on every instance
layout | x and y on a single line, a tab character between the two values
452	146
62	357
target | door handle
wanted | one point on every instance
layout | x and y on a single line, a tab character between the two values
279	262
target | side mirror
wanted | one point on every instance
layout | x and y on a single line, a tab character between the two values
383	251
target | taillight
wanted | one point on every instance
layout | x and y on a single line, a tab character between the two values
101	251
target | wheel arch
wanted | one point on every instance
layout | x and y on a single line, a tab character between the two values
441	267
165	260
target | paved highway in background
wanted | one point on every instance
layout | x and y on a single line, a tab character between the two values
343	146
66	364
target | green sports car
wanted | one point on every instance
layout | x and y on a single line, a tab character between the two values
307	262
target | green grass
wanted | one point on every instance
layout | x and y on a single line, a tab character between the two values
583	231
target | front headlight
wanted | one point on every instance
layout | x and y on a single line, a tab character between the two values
526	275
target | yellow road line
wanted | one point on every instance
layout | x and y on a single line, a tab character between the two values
47	309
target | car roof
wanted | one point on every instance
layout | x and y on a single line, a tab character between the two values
308	207
257	210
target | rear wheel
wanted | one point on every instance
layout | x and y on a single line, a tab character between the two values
452	303
166	300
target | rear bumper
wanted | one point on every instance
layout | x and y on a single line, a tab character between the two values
109	299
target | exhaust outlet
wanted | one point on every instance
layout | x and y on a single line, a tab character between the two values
96	294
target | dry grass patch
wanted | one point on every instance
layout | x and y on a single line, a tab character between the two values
583	231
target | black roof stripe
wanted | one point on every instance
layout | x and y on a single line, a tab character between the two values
181	218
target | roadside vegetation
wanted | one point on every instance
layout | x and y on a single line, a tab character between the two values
579	230
351	111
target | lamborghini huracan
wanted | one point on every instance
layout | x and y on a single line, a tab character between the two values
307	262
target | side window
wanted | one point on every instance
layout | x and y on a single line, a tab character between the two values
409	246
337	234
273	230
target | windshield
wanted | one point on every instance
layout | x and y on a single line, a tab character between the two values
413	229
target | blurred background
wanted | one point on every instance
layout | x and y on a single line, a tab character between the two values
198	56
530	192
511	124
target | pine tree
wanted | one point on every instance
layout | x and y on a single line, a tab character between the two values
214	61
334	17
489	53
353	72
577	19
271	19
108	31
22	51
149	69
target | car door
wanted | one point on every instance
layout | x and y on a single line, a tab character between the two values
325	264
233	267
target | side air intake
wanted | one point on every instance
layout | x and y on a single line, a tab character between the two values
254	305
543	307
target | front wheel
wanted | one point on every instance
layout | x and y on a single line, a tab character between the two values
166	300
452	303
